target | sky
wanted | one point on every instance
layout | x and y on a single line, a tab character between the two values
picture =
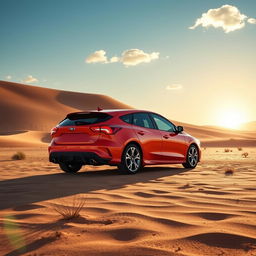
192	61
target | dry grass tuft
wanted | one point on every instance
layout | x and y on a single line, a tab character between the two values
71	210
229	171
19	156
239	149
58	234
245	154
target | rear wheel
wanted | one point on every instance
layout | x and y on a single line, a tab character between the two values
192	157
131	161
70	167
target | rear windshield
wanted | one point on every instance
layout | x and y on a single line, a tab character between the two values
84	119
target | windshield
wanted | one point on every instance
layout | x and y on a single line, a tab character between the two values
84	119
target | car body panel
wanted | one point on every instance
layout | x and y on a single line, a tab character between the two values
75	135
151	143
158	147
174	146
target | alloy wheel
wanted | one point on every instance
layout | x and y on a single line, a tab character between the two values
132	159
193	156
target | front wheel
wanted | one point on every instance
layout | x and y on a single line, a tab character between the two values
131	161
70	167
192	157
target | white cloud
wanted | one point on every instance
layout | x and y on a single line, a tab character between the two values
227	17
173	87
251	21
130	57
30	79
8	77
97	57
134	57
114	59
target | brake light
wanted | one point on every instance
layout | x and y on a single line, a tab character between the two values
105	129
54	130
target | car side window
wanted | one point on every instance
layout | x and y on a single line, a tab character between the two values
163	124
143	120
127	118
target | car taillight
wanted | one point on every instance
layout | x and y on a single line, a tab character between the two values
54	130
105	129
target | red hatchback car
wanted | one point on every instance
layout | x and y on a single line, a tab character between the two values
129	139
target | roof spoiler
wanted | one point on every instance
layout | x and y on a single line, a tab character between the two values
84	114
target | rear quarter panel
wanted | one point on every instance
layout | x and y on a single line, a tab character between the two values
117	142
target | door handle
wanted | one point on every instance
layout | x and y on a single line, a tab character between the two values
166	136
141	133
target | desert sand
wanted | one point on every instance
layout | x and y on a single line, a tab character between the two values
163	210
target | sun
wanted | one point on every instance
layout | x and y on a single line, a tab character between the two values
231	118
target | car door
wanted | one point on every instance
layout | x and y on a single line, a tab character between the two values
150	137
174	144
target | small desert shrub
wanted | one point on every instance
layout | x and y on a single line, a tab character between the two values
57	234
245	154
69	211
229	171
239	149
19	156
226	150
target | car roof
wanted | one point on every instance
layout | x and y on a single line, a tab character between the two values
121	111
112	111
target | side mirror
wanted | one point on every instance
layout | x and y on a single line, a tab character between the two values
179	129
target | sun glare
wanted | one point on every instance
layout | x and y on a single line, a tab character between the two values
231	118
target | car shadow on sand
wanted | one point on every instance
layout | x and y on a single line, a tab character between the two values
22	192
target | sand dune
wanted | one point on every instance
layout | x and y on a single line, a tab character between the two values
35	110
220	137
250	126
163	210
24	107
24	139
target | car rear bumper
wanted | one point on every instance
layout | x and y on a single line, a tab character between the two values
81	157
108	151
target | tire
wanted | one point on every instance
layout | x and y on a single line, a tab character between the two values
70	167
131	161
192	157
